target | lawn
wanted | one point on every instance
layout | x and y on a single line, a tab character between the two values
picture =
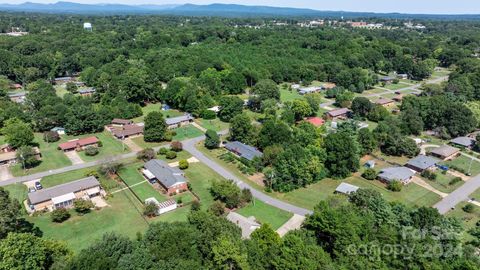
468	220
200	178
110	147
394	86
442	183
372	91
18	191
180	155
265	213
215	124
289	95
142	188
182	133
143	144
52	158
61	90
465	164
156	107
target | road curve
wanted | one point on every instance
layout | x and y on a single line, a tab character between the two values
189	145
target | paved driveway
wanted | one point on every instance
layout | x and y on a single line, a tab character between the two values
74	157
5	173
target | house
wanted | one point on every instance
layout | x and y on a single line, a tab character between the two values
179	121
328	85
9	157
466	142
18	97
398	98
163	207
121	122
78	144
422	163
445	152
402	76
402	174
87	92
316	121
165	107
308	90
385	102
242	150
58	130
127	131
63	196
337	114
172	179
247	225
87	26
387	80
295	86
345	188
62	80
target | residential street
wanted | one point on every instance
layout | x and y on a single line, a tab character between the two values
460	194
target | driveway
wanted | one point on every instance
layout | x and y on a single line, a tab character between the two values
5	173
294	223
74	157
422	183
459	195
132	145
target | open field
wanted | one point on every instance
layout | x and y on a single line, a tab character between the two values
265	213
110	147
52	158
289	95
214	124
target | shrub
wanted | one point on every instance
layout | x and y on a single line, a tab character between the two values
146	154
455	180
246	196
176	146
91	151
162	151
429	175
150	209
100	144
369	174
51	136
169	136
208	115
179	200
60	215
227	192
195	206
468	208
171	155
212	140
217	208
82	206
395	186
183	164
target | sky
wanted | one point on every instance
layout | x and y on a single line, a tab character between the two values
402	6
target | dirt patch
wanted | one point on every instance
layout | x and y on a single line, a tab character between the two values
257	179
5	173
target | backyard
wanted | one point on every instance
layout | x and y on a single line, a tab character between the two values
151	107
110	147
214	124
182	133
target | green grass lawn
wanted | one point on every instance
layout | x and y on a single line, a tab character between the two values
52	158
440	73
156	107
180	155
143	144
142	188
265	213
18	191
200	178
372	91
464	163
442	183
214	124
289	95
187	132
468	220
110	147
61	90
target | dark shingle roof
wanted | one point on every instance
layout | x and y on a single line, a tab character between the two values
74	186
463	141
243	150
444	150
165	174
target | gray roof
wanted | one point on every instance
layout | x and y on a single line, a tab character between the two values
246	151
423	162
396	173
386	78
18	94
463	141
346	188
178	119
247	225
444	150
165	174
74	186
338	112
87	90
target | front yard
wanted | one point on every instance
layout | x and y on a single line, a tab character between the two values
464	164
265	213
110	147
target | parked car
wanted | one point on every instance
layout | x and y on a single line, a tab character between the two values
32	189
38	186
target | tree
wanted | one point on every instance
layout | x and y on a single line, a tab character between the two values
27	157
378	113
212	140
469	208
263	90
71	87
155	127
27	251
176	146
395	186
227	192
300	109
227	255
51	136
150	209
12	220
146	154
274	132
344	99
361	106
230	106
82	206
59	215
171	155
342	154
17	133
313	101
217	208
369	174
241	129
366	141
183	164
91	150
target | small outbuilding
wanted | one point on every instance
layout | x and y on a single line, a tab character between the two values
338	114
58	130
346	188
163	207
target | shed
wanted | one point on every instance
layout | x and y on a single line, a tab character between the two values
346	188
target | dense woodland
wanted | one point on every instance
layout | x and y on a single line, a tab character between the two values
195	63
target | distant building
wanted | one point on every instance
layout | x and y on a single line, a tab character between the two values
345	188
385	102
422	163
121	122
309	90
387	79
87	26
62	80
171	179
357	24
445	152
370	164
176	122
247	225
87	92
466	142
402	76
338	114
402	174
242	150
328	85
16	86
316	121
58	130
63	196
9	156
18	97
398	98
78	144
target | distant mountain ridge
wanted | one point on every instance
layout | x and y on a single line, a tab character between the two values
219	10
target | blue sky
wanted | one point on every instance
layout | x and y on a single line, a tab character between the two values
403	6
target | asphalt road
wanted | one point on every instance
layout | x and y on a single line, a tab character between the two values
459	195
189	145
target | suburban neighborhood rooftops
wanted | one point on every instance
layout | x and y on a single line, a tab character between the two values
307	90
422	162
445	151
346	188
463	141
127	130
178	119
328	85
78	143
396	173
119	121
63	189
338	112
383	101
243	150
165	174
247	225
316	121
